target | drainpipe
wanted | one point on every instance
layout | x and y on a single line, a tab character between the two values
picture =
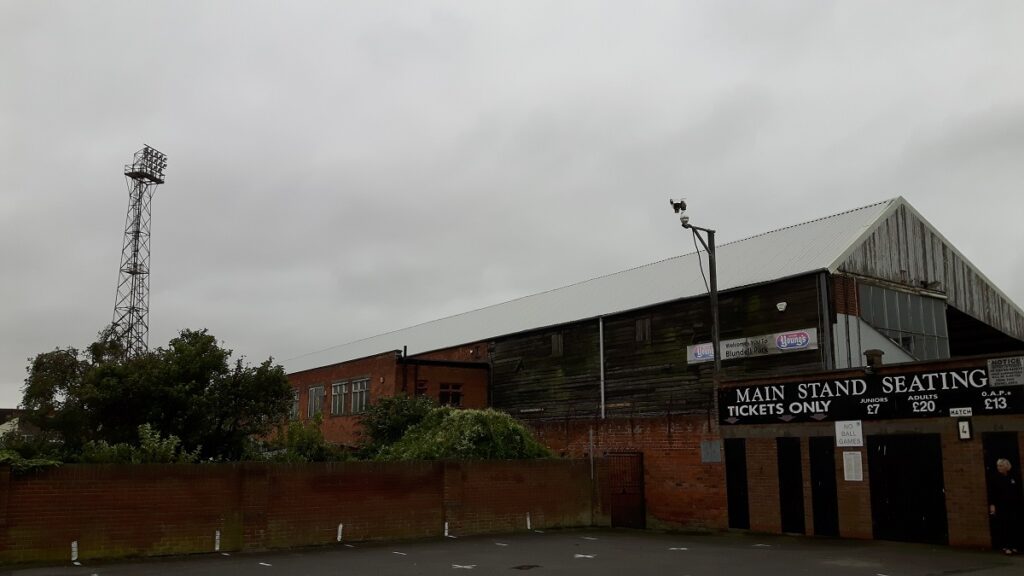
600	353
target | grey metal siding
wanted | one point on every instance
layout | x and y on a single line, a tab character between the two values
905	249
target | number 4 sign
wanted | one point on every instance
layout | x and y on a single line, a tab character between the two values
964	429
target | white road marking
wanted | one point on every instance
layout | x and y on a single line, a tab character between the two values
500	544
762	545
589	538
584	555
264	564
349	546
678	548
225	554
400	553
539	531
461	567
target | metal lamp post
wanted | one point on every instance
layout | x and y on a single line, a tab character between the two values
680	208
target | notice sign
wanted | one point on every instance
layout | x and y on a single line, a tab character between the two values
853	469
849	433
1006	372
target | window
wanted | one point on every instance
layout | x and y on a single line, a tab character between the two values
294	413
360	395
556	344
421	388
915	323
338	391
451	395
315	401
643	330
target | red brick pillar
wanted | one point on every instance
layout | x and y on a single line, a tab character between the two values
854	498
763	482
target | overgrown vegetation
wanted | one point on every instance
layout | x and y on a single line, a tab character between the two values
151	448
388	419
299	442
447	433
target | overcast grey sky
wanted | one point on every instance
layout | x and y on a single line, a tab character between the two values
341	169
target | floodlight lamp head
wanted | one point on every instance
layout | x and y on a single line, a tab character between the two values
685	221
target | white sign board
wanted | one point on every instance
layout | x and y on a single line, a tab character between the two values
849	433
853	469
1006	372
763	345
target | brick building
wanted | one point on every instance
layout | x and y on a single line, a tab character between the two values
621	365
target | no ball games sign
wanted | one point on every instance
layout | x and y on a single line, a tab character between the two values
922	394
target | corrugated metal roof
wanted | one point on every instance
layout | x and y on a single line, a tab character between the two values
816	245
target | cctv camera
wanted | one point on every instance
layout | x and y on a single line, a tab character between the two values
678	205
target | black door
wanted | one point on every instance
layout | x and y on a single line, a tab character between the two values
998	445
908	498
626	489
824	497
736	483
791	485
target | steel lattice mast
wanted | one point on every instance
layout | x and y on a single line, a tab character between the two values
131	307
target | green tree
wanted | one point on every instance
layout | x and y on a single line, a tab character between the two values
448	433
190	390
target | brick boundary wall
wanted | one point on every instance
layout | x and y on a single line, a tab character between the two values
116	511
681	490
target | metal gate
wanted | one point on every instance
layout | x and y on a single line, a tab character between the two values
626	489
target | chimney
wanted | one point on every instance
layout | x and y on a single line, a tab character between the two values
874	357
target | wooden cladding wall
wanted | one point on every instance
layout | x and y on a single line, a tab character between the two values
905	249
646	376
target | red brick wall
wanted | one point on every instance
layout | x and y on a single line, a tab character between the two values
120	511
680	491
854	498
763	485
963	470
473	381
482	497
382	371
387	378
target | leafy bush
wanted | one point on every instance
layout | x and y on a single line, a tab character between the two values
389	418
151	449
300	442
21	465
446	433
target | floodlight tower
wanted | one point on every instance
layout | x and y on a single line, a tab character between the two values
131	307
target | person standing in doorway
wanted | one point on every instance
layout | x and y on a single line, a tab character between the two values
1006	507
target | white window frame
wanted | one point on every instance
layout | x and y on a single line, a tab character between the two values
338	392
315	401
360	395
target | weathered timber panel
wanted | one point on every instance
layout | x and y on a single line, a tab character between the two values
649	377
905	249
